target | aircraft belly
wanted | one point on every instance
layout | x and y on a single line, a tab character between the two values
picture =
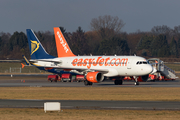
112	72
125	72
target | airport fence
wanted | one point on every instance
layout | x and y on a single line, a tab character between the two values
16	67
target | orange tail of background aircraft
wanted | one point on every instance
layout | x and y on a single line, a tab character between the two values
63	49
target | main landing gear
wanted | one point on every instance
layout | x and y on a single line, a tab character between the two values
86	83
118	82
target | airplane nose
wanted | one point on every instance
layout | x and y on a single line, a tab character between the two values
149	69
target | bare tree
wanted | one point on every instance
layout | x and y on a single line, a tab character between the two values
176	31
161	30
107	25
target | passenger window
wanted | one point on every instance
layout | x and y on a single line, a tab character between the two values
137	63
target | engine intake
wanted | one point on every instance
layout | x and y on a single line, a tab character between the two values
94	77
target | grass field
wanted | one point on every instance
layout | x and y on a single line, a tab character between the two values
92	93
81	114
175	67
8	67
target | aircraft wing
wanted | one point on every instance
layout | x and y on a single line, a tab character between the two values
82	71
102	70
79	71
46	60
58	62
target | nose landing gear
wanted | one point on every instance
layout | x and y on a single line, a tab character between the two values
136	81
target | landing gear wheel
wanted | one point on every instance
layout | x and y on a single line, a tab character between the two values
136	83
86	83
90	83
118	82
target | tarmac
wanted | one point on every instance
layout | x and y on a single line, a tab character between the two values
93	104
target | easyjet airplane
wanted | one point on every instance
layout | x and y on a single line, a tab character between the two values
94	68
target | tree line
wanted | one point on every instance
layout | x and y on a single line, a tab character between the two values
105	38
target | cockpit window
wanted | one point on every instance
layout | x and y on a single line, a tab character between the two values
141	62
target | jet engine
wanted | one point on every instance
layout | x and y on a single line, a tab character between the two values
94	77
143	78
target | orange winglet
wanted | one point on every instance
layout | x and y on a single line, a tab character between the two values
22	65
63	49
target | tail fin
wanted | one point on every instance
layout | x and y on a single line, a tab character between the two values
63	49
36	49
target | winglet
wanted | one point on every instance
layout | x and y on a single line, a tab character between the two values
63	49
22	65
26	60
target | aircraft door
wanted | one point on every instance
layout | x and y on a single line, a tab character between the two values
129	64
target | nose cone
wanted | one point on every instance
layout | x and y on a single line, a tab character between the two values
145	70
149	69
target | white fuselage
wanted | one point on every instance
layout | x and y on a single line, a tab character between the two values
109	65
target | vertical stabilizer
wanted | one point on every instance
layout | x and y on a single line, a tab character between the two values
63	49
36	49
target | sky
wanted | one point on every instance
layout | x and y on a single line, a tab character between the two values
43	15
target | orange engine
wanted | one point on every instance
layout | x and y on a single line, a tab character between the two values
94	77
